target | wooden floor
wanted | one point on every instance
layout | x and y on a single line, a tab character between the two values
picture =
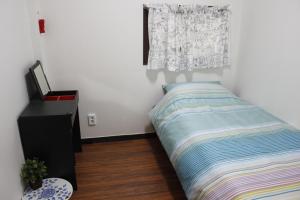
131	170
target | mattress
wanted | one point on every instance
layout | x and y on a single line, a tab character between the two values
222	147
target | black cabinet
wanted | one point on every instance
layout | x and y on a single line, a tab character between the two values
50	131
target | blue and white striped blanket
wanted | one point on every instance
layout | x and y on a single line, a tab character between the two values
225	148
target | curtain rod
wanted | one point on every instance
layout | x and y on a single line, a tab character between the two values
147	8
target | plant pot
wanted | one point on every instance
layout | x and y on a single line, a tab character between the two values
36	185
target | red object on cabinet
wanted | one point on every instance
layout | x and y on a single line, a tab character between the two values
42	25
60	98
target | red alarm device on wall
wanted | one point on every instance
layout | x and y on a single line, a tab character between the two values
42	25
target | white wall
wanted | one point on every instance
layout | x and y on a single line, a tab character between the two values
269	62
16	56
96	47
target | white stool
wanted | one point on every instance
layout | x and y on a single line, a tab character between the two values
53	188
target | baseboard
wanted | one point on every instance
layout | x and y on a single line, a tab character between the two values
117	138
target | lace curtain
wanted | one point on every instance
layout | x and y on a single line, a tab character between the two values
188	37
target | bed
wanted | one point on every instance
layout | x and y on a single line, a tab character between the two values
222	147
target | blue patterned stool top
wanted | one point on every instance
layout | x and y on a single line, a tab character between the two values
52	189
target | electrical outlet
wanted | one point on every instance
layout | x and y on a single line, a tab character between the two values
92	119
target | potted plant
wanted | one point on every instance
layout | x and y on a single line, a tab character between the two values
32	173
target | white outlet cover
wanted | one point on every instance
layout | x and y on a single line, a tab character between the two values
92	119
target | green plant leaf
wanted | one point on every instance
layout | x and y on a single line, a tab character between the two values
33	170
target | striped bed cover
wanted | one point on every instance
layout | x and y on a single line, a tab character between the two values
225	148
